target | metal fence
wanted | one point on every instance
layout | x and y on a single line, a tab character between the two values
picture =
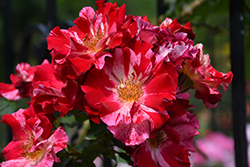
239	82
237	60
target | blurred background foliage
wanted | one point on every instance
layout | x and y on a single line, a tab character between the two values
210	21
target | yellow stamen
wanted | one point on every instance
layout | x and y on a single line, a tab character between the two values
26	145
90	41
129	90
33	155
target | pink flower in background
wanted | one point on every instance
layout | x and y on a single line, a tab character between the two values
130	93
248	142
21	83
217	148
33	144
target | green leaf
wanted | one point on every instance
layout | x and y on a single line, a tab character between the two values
22	103
88	164
69	120
93	150
186	83
64	162
79	115
126	157
118	143
6	106
96	131
79	163
72	149
57	122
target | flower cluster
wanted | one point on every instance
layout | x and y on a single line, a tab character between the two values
122	71
32	143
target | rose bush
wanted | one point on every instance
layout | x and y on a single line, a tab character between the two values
123	81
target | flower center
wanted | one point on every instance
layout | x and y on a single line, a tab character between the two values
22	87
90	41
26	145
160	138
129	90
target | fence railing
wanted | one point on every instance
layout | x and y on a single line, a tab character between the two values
239	82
